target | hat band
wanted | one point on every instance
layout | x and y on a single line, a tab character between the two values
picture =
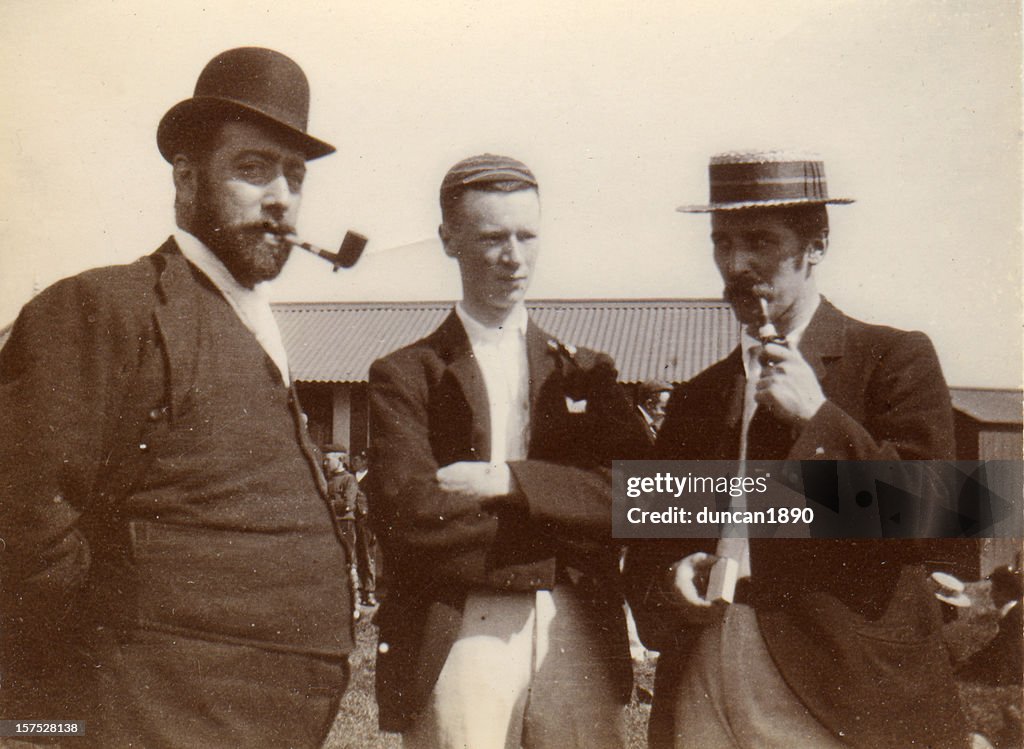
733	183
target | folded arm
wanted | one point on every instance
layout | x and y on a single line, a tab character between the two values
471	517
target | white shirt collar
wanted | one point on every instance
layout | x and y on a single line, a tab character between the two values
251	305
478	333
500	353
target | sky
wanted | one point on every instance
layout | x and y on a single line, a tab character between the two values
915	106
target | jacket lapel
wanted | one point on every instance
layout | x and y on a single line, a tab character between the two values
824	340
177	290
731	395
540	359
453	348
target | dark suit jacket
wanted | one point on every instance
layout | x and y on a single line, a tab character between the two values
362	502
154	475
824	603
343	492
428	408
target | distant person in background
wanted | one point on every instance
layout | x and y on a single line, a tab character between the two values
652	401
343	491
366	541
1000	661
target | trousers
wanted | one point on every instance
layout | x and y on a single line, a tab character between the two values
527	670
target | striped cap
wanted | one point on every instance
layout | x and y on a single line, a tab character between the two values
485	168
765	179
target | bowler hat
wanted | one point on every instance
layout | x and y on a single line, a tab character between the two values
246	82
764	179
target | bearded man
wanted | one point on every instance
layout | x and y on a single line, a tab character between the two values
171	572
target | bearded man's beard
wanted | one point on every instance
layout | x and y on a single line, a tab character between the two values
243	248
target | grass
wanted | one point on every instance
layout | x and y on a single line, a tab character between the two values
993	710
356	724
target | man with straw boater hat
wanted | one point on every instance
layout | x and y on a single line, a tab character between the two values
491	455
828	642
172	574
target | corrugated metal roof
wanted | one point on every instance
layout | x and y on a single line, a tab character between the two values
666	339
989	405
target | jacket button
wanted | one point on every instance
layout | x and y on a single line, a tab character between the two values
155	414
383	648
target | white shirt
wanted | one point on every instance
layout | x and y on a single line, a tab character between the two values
251	305
734	543
501	354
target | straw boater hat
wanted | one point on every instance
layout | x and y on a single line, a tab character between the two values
764	179
248	82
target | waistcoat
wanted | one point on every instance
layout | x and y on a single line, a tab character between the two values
225	533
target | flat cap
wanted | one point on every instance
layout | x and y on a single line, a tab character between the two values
486	168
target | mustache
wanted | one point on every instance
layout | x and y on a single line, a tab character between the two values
256	228
746	289
279	228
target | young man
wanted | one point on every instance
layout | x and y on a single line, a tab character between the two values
490	458
171	570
